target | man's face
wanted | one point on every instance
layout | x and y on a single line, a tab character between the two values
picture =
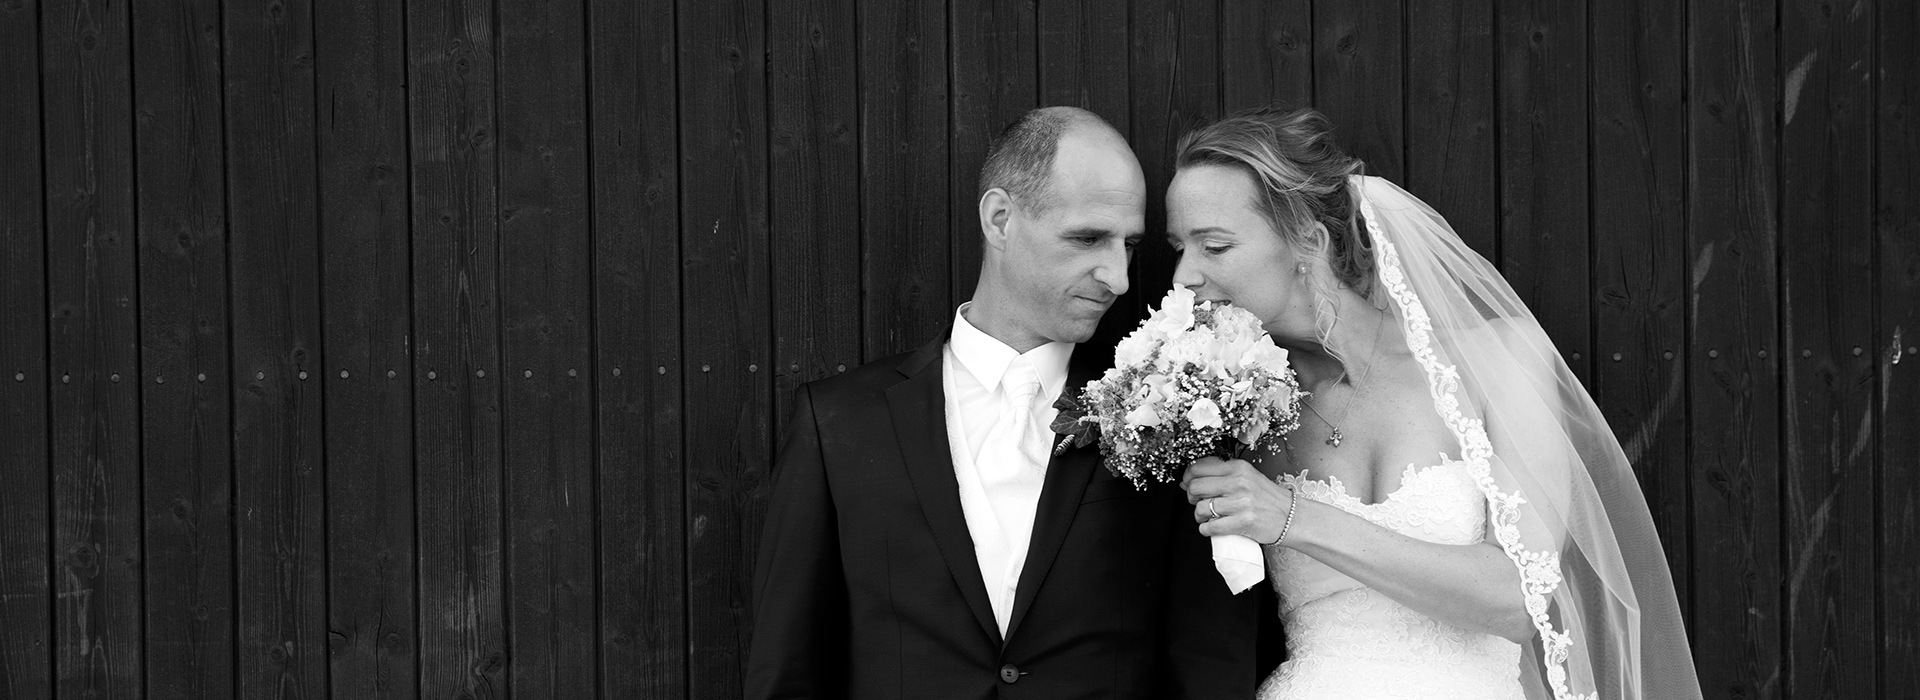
1067	264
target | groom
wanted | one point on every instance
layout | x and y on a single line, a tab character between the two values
922	539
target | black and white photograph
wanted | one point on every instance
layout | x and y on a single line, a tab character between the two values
959	349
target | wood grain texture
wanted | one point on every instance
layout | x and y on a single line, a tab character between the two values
1452	148
1174	67
26	623
179	181
1640	251
1542	74
1733	393
451	72
1827	323
1896	347
1266	53
1359	56
907	237
279	417
93	345
1083	49
814	108
546	281
636	257
724	312
361	146
994	78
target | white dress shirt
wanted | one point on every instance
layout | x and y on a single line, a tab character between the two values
999	503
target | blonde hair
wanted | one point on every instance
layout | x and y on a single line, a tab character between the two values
1303	179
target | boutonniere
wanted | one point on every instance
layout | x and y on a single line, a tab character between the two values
1072	424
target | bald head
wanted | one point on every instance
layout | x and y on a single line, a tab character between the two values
1021	159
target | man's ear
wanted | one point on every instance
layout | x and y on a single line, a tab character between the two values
996	215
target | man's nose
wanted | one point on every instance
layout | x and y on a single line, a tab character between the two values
1112	271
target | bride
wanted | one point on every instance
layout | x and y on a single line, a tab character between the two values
1453	518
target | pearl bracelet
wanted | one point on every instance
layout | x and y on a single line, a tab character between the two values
1293	503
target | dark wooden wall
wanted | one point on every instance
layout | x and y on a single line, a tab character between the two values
439	349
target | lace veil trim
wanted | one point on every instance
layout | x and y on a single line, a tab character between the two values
1539	571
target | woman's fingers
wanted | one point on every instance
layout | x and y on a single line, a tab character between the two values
1218	507
1215	466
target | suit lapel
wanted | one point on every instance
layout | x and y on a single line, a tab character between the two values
1067	477
918	406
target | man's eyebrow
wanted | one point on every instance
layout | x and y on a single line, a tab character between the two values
1086	231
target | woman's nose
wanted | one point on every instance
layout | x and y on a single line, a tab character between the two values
1186	274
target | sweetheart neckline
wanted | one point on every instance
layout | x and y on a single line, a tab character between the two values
1407	476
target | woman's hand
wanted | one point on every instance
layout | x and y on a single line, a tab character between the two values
1246	502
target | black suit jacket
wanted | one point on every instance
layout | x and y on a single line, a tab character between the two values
867	585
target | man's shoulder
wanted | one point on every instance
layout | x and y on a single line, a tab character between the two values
866	381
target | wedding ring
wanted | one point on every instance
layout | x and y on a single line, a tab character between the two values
1210	509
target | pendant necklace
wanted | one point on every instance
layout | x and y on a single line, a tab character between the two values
1334	439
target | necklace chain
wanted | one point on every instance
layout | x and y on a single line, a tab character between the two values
1334	439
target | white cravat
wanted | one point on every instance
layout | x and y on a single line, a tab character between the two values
1016	442
998	405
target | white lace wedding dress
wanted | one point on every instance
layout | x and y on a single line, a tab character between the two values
1347	641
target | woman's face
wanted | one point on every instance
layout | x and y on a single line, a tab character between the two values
1228	251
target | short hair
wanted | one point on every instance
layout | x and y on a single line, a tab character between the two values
1302	176
1020	159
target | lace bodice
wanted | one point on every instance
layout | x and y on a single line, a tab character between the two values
1345	640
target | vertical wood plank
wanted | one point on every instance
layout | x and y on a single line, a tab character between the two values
274	288
1543	169
1266	53
1897	296
93	337
1358	61
907	236
636	234
725	344
1452	149
815	110
546	268
1733	394
1638	51
456	330
1175	72
1827	323
1083	57
179	156
994	80
26	628
361	79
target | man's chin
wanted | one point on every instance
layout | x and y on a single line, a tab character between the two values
1078	330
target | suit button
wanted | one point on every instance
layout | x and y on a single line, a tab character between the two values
1009	673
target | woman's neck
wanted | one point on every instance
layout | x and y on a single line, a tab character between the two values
1353	346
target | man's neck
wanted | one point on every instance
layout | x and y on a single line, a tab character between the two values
990	317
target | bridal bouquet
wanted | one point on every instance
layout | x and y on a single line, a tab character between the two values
1193	380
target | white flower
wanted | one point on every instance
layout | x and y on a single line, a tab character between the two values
1255	428
1264	354
1136	349
1161	389
1175	313
1204	414
1143	416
